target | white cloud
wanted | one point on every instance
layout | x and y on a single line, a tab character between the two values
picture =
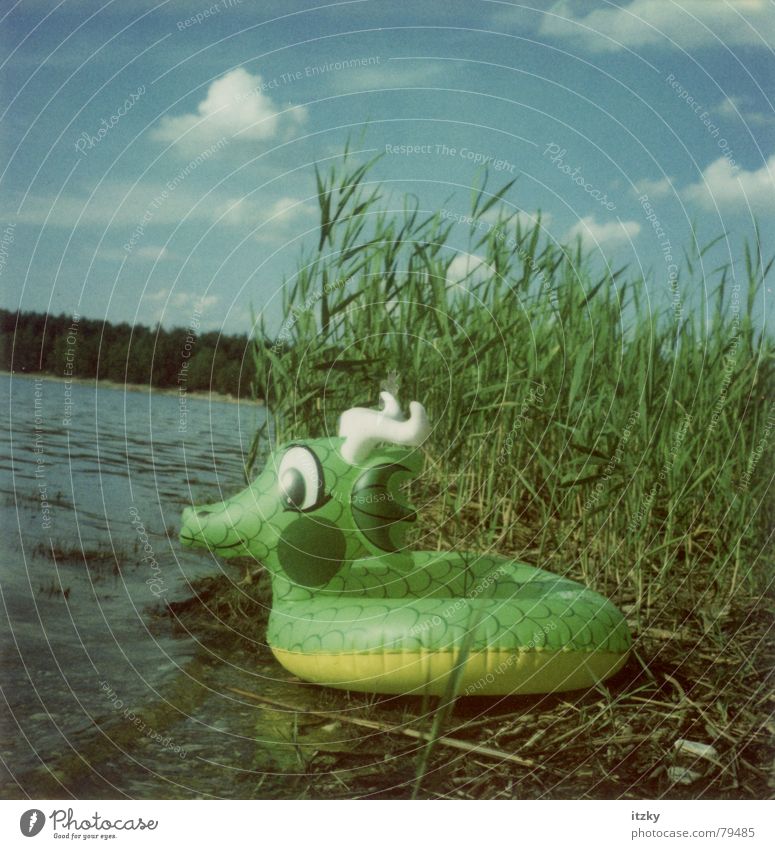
740	108
391	73
606	234
236	104
285	219
235	212
728	187
654	188
175	307
287	208
644	23
251	212
468	268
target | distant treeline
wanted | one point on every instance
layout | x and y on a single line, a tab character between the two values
72	346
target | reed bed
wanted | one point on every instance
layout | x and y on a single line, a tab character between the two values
575	428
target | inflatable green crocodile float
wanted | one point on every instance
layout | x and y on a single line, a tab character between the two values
354	608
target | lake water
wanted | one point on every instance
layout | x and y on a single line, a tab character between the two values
93	484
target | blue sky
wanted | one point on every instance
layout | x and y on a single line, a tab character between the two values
157	157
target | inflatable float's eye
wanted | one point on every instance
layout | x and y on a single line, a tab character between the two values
301	479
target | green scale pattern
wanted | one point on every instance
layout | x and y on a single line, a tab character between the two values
344	581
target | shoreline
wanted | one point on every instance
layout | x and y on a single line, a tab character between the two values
134	387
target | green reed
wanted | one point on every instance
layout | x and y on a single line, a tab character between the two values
573	427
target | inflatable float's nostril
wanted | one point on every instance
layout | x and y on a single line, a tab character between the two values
192	516
193	520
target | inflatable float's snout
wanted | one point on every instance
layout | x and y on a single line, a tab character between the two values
215	526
